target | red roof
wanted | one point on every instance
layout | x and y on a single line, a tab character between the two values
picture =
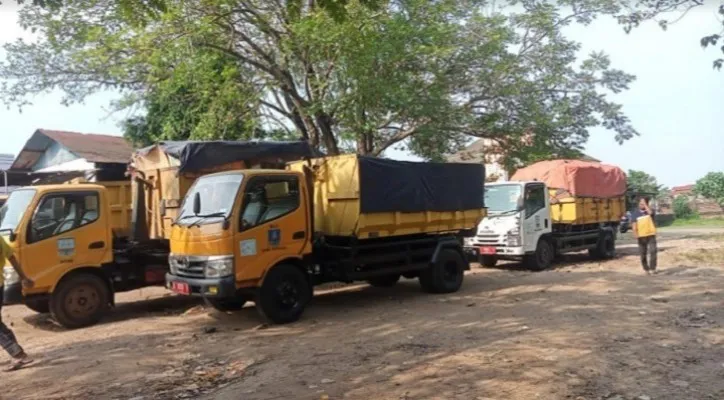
92	147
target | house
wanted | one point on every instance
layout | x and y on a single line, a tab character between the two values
59	156
6	160
702	206
489	153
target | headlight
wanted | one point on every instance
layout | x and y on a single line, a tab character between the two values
172	265
219	267
10	276
513	237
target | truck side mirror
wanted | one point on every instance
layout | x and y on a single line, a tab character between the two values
521	203
197	203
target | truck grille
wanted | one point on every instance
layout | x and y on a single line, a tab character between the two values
488	240
187	266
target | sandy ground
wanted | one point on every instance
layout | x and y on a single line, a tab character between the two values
582	331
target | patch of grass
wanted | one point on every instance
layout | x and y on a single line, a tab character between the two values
697	222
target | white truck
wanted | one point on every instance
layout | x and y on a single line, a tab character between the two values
531	222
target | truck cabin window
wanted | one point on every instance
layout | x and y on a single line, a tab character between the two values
502	198
59	214
216	195
268	199
535	199
14	208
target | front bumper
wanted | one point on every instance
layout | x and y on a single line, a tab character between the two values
13	294
474	253
214	288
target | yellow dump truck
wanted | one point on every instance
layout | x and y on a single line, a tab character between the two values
550	208
71	239
270	236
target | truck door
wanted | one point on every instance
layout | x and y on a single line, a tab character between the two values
272	224
66	230
536	215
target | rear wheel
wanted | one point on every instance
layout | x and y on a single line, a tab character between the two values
80	301
489	261
384	281
41	306
446	275
226	305
284	294
605	248
542	258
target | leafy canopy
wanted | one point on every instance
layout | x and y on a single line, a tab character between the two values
417	74
641	182
711	186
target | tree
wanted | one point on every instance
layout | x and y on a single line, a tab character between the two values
662	12
682	208
711	186
641	182
418	74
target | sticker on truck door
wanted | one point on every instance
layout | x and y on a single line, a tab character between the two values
274	236
247	247
66	247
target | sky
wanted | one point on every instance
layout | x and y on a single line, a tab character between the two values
674	103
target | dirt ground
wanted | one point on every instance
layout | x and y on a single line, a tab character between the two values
582	331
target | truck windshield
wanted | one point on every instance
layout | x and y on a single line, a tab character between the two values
217	194
13	210
502	198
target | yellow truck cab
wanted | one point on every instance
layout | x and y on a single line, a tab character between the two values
70	239
271	235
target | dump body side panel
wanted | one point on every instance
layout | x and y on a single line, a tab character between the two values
587	210
337	210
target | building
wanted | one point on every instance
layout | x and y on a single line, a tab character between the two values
702	206
489	153
58	156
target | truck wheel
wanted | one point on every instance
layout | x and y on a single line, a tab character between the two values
623	229
542	258
489	261
446	275
384	281
226	305
605	248
41	306
80	301
284	294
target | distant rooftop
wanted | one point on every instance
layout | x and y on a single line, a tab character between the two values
6	161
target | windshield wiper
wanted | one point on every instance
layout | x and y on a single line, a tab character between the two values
204	217
500	213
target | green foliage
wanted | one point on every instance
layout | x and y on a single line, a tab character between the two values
641	182
421	75
668	12
711	186
682	208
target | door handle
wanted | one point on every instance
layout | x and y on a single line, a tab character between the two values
97	245
299	235
546	223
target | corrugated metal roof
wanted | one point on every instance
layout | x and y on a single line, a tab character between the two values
6	160
92	147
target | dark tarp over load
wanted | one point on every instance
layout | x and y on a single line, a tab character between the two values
200	155
404	186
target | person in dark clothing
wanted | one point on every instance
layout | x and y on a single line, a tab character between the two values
7	337
644	229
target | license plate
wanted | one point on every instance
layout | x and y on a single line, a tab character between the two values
180	287
487	250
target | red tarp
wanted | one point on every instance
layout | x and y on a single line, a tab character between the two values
579	178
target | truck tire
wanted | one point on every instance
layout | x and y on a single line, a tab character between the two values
542	258
40	306
623	229
80	301
605	248
446	275
384	281
489	261
283	295
226	305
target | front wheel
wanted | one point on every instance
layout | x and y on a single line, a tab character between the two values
80	301
542	258
446	275
623	229
284	294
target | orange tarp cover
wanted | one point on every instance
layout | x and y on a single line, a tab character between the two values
579	178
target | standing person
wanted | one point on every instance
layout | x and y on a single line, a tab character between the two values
7	337
644	229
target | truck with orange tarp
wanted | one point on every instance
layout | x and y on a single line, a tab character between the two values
550	208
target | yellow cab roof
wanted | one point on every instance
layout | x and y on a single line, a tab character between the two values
63	186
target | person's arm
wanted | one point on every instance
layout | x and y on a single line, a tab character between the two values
27	282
